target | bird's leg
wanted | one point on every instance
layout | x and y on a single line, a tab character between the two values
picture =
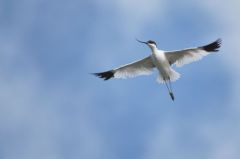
169	89
171	92
168	81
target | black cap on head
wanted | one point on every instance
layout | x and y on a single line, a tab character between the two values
148	42
151	42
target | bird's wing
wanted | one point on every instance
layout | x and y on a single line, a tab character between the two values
141	67
186	56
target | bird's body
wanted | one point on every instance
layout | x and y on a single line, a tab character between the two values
162	60
161	63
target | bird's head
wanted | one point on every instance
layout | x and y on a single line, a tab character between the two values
152	44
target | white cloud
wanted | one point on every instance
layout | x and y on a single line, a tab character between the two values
27	102
222	139
31	124
134	14
226	13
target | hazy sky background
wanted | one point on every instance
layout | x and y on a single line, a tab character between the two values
52	108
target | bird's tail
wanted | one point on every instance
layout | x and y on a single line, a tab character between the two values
172	75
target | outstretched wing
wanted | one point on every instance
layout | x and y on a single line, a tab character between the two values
187	56
141	67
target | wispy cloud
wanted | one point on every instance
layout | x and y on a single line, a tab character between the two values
50	110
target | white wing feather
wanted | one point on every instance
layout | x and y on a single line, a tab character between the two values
186	56
141	67
180	58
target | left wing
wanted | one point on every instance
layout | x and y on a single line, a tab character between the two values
141	67
187	56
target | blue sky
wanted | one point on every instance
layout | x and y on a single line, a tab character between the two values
52	108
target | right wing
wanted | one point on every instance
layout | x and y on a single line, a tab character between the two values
187	56
141	67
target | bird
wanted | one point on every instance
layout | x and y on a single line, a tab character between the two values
163	62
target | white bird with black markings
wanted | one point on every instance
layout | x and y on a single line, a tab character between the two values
162	61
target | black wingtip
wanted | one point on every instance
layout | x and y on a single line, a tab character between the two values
212	47
105	75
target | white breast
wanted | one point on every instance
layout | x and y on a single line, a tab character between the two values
161	61
162	64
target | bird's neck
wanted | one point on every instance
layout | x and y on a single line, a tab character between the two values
154	50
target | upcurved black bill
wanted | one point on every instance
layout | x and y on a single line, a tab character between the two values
141	41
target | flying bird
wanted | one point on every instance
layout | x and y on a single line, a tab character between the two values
162	61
